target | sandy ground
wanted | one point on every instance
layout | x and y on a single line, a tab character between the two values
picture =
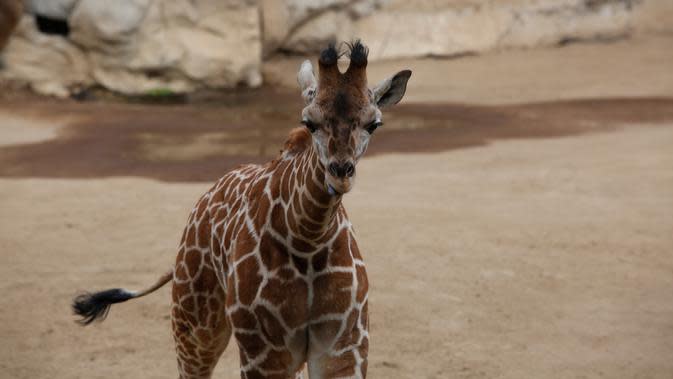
518	258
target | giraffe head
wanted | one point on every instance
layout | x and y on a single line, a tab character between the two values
342	113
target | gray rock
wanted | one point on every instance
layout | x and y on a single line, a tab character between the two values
135	46
56	9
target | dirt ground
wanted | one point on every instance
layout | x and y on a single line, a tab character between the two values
514	239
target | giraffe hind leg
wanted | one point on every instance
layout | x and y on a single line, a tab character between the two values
201	329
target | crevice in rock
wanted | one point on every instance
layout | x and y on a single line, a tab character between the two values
48	25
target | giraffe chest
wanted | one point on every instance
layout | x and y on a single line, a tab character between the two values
278	298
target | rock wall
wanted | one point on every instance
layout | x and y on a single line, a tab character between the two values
402	28
135	46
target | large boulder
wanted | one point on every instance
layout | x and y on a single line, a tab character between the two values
135	46
50	64
182	45
402	28
305	26
54	9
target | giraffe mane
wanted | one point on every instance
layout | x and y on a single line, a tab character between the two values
297	141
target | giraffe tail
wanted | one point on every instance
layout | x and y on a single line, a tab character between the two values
92	306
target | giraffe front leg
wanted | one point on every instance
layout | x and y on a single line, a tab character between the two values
344	364
346	357
261	360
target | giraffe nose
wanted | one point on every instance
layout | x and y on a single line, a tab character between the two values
342	169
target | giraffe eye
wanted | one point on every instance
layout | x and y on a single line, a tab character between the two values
372	126
310	125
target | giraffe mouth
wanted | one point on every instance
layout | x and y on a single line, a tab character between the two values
338	186
332	191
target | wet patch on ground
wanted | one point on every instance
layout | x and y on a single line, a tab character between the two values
200	142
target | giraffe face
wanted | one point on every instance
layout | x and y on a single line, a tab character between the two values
342	113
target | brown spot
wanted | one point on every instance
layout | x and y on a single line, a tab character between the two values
364	316
202	308
207	280
291	221
355	251
314	212
300	170
318	192
193	260
204	233
249	280
191	236
232	296
219	215
285	184
203	336
227	236
278	221
243	319
286	274
364	347
277	359
215	247
341	366
179	290
325	332
363	283
271	327
187	303
293	308
302	246
296	203
351	333
340	258
319	260
332	293
245	242
251	344
180	270
262	212
300	264
273	253
202	206
339	255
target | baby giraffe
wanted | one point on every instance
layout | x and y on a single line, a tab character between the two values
269	254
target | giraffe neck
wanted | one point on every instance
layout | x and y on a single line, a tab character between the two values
312	211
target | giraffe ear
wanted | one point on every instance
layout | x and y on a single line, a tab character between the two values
306	80
390	91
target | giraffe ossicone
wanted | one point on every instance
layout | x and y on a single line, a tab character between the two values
269	255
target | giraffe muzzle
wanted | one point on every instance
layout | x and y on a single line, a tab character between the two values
342	169
340	178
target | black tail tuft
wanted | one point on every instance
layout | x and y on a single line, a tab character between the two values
95	306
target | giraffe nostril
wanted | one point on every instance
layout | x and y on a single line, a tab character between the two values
341	170
349	169
334	169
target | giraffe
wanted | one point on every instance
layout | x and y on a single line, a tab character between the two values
269	254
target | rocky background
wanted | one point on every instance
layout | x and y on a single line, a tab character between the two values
60	47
